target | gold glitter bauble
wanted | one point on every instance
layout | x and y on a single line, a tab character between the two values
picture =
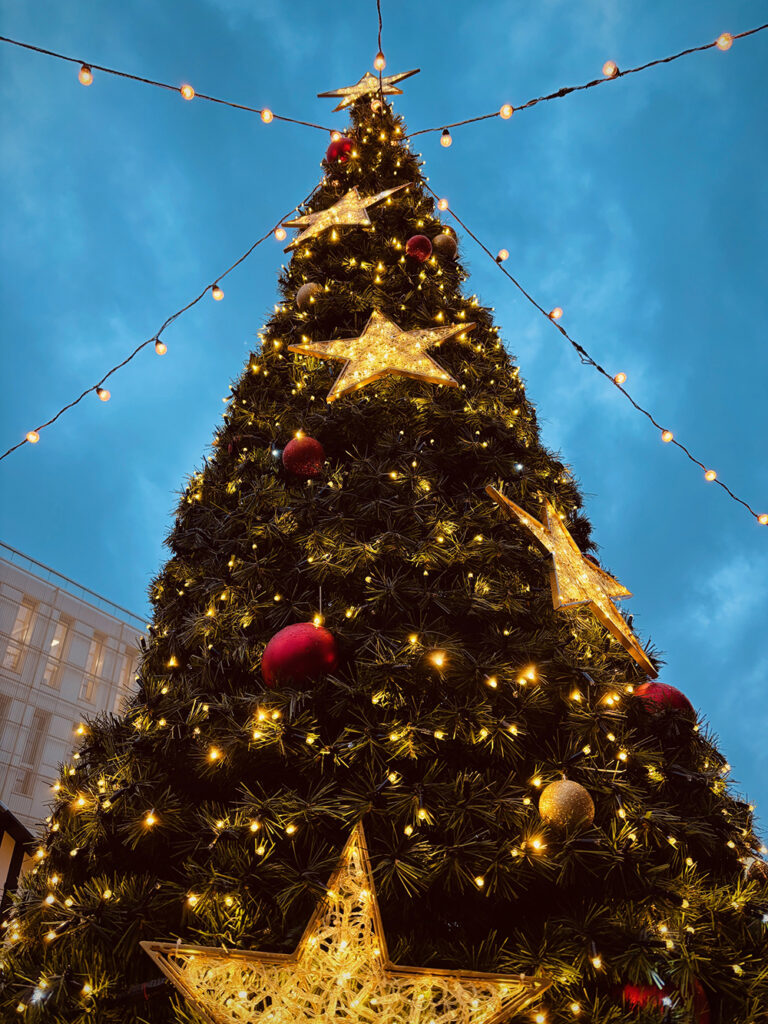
566	804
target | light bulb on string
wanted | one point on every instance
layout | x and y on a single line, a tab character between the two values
503	254
442	204
710	475
507	111
379	61
620	378
160	347
445	138
217	292
85	75
280	234
103	394
555	313
610	69
763	519
187	92
33	437
266	115
724	41
667	436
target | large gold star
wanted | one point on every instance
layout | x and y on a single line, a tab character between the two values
368	86
381	350
575	579
350	209
340	971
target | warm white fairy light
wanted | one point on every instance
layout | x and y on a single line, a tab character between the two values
85	75
267	115
187	92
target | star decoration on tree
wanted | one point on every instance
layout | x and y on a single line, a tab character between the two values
368	86
575	579
384	350
350	209
340	970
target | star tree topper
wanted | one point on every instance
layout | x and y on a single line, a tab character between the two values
575	579
350	209
340	970
382	350
367	86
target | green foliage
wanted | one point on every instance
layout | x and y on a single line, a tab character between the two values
253	791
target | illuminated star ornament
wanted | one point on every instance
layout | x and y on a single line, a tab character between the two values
340	971
350	209
367	86
384	350
575	579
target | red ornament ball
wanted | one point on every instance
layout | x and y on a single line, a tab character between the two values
339	150
299	654
419	248
661	696
639	997
304	456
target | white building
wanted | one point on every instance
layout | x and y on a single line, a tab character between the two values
66	654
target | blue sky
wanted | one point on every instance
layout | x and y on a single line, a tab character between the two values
638	207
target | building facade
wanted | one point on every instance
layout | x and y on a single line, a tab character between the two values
66	654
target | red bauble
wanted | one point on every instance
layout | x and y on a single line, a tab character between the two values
339	150
661	696
419	248
298	654
304	456
638	997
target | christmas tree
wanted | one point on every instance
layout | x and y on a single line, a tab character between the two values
382	655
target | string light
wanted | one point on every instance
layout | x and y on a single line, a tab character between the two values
723	42
556	313
710	475
187	92
610	69
379	61
103	394
445	138
667	436
503	254
620	378
280	234
217	292
587	360
267	116
33	436
442	204
507	111
85	75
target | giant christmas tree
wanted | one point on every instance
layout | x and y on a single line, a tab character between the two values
395	755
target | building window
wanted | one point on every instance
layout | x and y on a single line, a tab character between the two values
94	667
33	748
20	635
58	651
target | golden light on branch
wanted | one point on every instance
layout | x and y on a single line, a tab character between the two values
339	970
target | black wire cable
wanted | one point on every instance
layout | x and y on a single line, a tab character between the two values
159	85
588	85
156	337
587	359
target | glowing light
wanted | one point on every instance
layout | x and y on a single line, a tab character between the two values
379	61
150	819
710	475
214	754
666	436
556	313
187	92
620	378
85	75
217	293
280	234
86	989
266	115
442	204
445	138
610	69
763	519
160	347
437	658
507	111
335	136
33	437
503	254
103	394
724	41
